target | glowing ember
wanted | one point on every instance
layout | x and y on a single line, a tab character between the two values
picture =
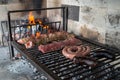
39	21
45	27
38	34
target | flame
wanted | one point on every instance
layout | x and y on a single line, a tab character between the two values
45	27
31	18
38	34
33	21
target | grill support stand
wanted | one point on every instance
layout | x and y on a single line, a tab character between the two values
45	68
11	49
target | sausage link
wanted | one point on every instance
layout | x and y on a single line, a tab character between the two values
86	51
75	51
85	60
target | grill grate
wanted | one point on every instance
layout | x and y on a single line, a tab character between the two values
65	69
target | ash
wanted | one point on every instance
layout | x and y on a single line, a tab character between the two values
19	69
22	66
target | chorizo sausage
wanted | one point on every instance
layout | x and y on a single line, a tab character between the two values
75	51
86	51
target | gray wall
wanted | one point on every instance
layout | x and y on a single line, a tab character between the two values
17	5
4	8
98	19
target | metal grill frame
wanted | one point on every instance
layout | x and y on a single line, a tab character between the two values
41	67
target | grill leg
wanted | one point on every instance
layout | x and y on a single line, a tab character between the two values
3	40
11	50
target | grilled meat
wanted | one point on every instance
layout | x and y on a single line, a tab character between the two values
75	51
58	45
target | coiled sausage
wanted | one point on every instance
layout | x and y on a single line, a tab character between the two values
75	51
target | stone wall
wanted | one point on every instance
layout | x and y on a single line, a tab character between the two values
4	10
98	19
16	5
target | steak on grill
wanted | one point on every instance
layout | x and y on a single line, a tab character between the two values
58	45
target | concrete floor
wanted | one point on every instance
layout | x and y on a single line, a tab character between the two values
13	70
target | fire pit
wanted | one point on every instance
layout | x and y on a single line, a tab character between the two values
56	67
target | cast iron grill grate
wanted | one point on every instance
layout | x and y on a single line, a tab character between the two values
65	69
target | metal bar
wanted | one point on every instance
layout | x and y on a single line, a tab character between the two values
7	37
64	21
10	37
55	26
14	33
65	18
20	36
30	32
63	60
61	66
34	24
15	11
59	26
36	29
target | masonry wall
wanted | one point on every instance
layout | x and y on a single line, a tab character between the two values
98	19
4	8
17	5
